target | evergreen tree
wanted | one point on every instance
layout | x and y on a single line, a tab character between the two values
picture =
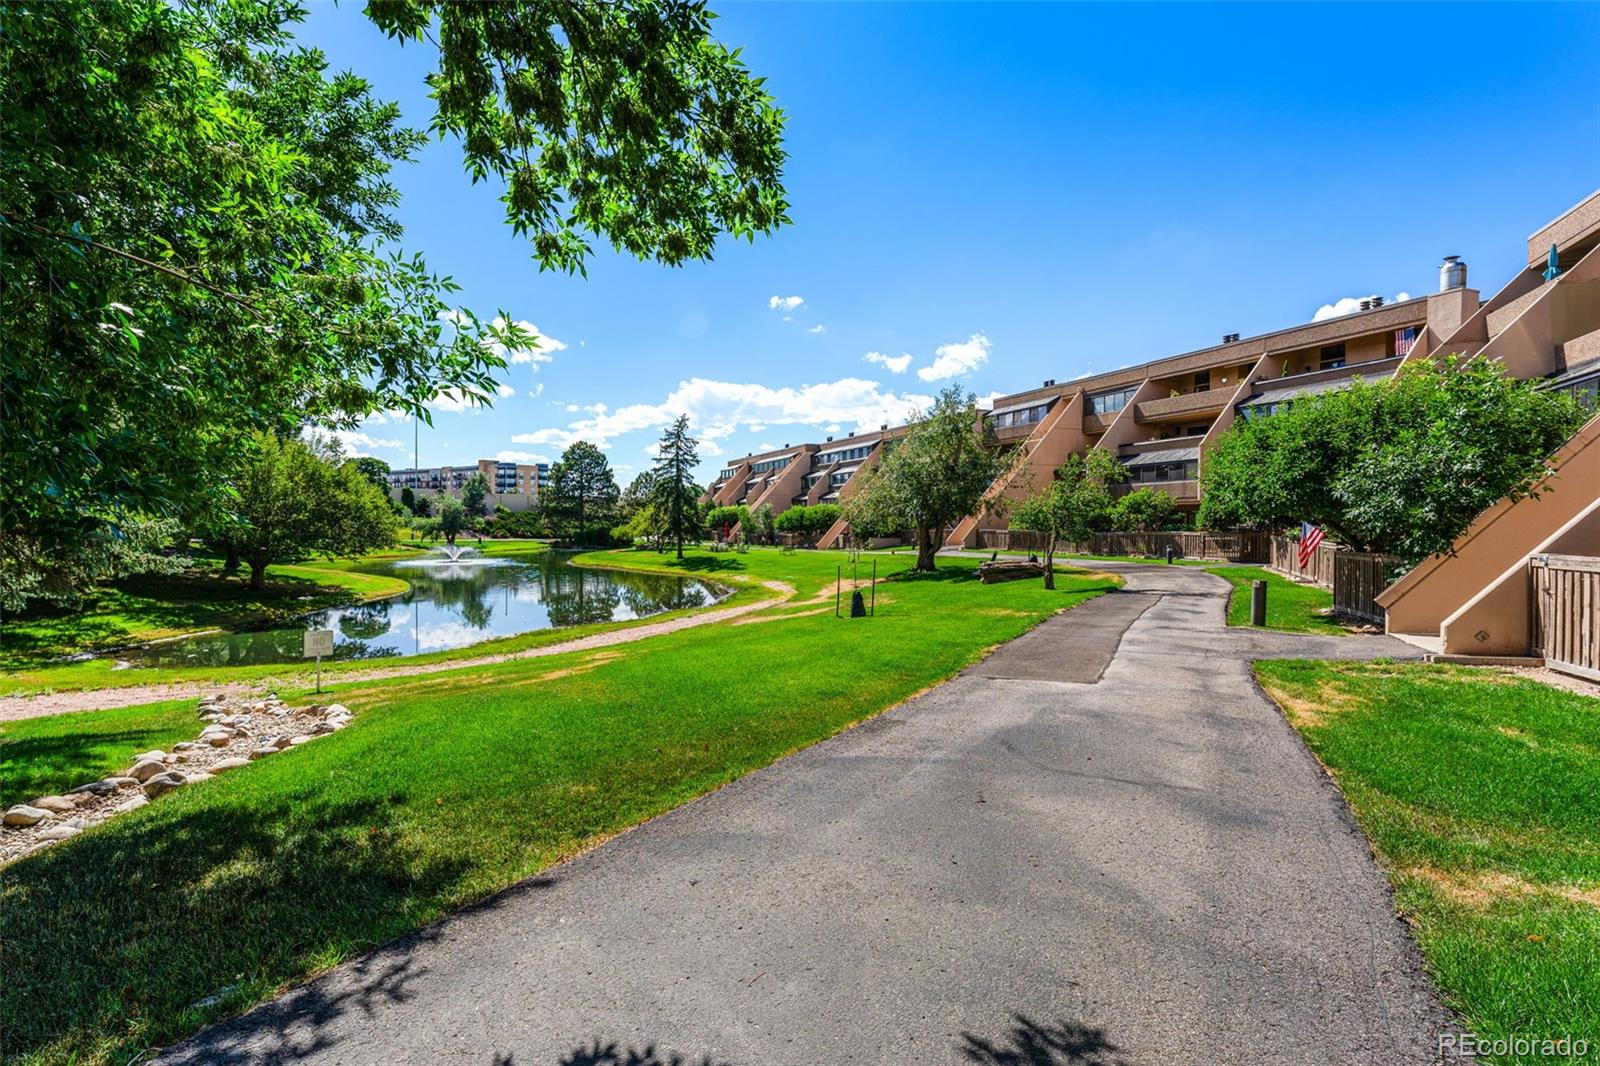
582	488
675	494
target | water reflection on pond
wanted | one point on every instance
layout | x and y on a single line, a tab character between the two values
451	605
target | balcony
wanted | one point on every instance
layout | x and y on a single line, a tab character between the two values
1370	370
1181	491
1093	423
1138	447
1188	404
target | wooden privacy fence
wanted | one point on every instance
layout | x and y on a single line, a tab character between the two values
1233	547
1284	557
1355	578
1358	577
1566	612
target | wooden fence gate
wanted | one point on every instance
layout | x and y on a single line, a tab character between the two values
1566	613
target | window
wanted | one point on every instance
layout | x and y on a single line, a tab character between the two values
1107	403
1202	381
1026	416
770	464
1187	470
842	455
1333	356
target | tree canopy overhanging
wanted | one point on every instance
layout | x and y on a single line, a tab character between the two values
199	238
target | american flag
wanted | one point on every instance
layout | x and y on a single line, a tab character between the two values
1404	339
1310	537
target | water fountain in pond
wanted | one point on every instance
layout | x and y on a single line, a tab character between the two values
454	552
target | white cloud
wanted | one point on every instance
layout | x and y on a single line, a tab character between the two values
1350	304
717	409
711	448
952	360
504	391
786	303
818	328
543	348
986	403
509	455
356	443
543	351
454	401
895	364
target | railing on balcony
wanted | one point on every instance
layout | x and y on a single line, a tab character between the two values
1182	491
1371	367
1186	404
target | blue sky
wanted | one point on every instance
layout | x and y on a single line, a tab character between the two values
1010	193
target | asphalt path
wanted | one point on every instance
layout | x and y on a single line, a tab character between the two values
1101	845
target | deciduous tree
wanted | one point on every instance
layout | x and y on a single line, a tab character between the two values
932	478
199	233
474	494
1145	510
1075	504
295	499
1401	466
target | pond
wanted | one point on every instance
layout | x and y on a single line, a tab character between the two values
452	604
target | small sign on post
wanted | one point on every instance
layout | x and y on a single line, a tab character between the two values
318	642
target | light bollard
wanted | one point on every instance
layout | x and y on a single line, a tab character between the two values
1258	603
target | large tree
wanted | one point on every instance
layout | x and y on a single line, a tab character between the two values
474	495
1396	466
295	498
932	478
374	470
1401	466
1075	504
582	487
198	230
675	495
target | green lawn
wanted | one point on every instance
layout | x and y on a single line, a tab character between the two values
42	756
1291	606
448	787
288	677
1481	794
152	607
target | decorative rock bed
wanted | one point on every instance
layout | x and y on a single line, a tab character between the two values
236	732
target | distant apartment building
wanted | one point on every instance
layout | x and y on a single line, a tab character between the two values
505	478
1160	417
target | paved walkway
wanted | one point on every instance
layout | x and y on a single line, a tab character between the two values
1148	868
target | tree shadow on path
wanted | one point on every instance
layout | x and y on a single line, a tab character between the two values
1031	1043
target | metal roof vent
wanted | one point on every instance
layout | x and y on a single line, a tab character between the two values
1452	273
1049	382
1377	302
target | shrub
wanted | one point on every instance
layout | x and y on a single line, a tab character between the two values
807	521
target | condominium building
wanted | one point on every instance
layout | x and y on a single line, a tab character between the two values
505	478
1160	417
